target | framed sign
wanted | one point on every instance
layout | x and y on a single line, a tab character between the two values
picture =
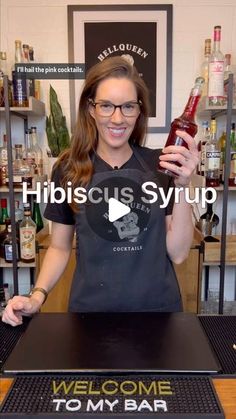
143	33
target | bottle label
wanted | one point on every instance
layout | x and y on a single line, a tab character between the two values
213	160
27	242
216	79
8	252
233	164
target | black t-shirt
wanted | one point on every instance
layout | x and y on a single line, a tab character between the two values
62	213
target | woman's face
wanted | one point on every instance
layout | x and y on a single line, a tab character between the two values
114	131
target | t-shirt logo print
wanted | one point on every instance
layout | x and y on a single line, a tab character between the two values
127	227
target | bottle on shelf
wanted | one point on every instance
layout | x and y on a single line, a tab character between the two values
227	72
3	235
20	97
38	150
29	154
186	121
222	146
32	81
216	72
212	163
19	215
27	236
232	176
22	171
8	246
202	147
205	66
3	161
6	292
208	220
37	217
4	213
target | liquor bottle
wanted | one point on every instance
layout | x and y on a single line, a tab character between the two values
202	147
205	66
222	146
19	215
6	292
27	236
30	154
212	164
22	172
3	161
209	219
232	176
216	72
228	71
38	150
37	217
20	97
8	246
3	72
3	235
186	121
31	81
4	213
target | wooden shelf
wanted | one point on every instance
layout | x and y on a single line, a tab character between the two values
40	179
20	264
35	108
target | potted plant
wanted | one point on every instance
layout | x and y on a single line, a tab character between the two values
56	128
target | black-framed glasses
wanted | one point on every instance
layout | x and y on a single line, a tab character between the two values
107	109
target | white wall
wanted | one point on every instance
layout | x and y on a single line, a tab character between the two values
43	24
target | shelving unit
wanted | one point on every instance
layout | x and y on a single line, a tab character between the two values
228	110
35	108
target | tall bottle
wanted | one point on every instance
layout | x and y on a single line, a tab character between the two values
4	213
186	121
38	150
31	81
37	217
212	168
202	147
29	154
3	72
222	147
205	66
3	161
209	219
232	176
20	97
27	236
3	235
216	72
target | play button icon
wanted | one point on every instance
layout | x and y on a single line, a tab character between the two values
116	209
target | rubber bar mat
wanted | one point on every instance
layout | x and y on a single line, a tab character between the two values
221	332
9	336
83	396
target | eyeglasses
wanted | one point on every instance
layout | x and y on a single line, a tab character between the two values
107	109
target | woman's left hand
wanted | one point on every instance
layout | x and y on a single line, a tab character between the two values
188	158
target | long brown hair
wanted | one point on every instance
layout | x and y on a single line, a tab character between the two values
76	161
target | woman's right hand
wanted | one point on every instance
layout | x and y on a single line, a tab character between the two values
18	307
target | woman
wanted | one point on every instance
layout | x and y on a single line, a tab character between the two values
125	265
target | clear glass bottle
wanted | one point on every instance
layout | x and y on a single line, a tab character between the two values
202	147
20	97
3	161
212	167
205	66
8	246
19	215
216	72
27	236
38	150
185	122
30	154
3	72
232	176
22	172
